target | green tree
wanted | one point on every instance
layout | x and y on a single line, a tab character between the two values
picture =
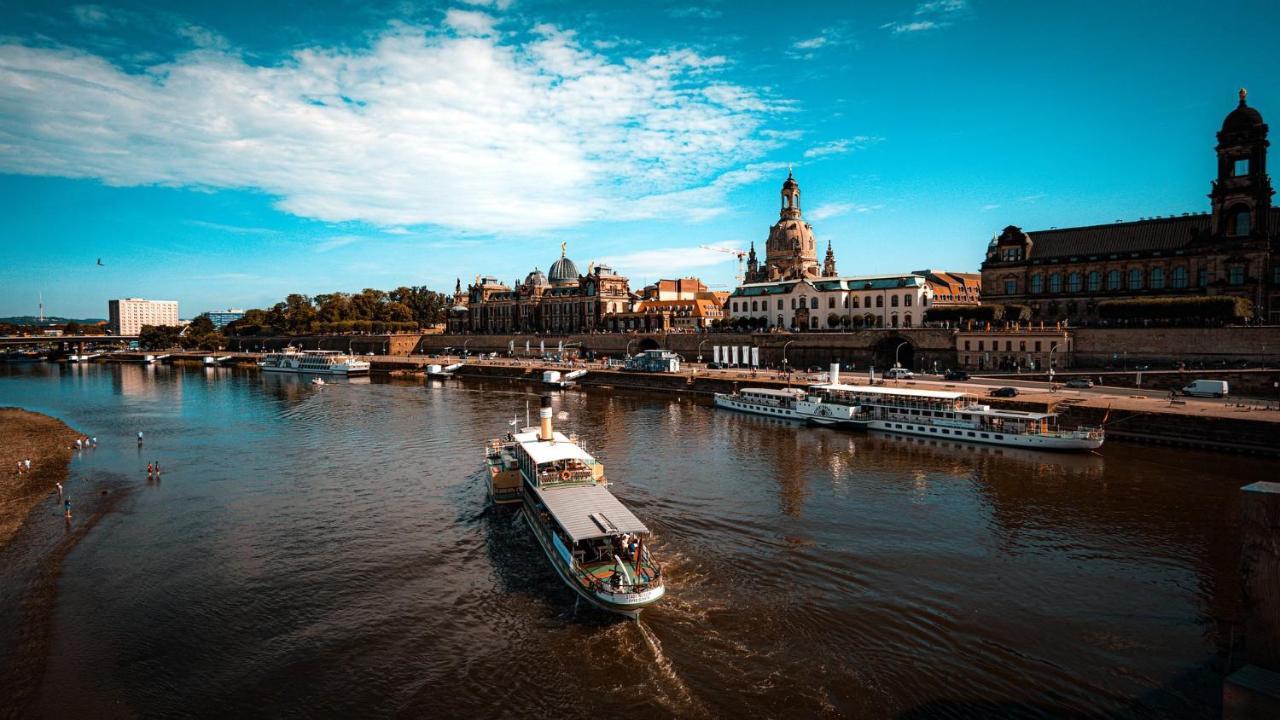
200	326
72	328
158	337
299	313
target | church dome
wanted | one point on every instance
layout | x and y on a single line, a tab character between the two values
535	278
563	271
1243	118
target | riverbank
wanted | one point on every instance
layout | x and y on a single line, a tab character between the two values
48	443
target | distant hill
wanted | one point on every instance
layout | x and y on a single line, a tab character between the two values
33	320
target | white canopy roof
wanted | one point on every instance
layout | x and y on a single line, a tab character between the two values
903	392
589	511
545	452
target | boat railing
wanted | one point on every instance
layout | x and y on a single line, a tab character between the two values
646	569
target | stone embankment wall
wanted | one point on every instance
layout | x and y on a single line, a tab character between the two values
1096	347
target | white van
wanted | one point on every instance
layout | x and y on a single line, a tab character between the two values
898	373
1206	388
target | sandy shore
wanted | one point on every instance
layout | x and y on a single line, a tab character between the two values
48	443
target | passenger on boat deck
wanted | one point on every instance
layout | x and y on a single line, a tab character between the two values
615	579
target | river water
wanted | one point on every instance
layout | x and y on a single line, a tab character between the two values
327	551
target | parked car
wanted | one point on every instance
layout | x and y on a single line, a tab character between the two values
1207	388
716	366
1005	392
1079	383
955	375
898	374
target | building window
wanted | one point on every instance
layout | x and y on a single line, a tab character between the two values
1203	277
793	303
980	343
906	300
906	320
1073	282
1240	167
813	323
1113	280
1037	346
1037	284
1135	279
879	301
1095	281
966	346
853	301
893	301
893	320
831	301
753	306
1011	287
1157	278
1180	277
813	303
1055	282
1240	221
1235	275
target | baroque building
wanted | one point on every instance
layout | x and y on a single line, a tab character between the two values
560	301
1062	274
791	252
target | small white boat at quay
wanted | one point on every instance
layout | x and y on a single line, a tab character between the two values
321	362
927	413
595	544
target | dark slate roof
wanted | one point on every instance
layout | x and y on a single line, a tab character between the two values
1137	236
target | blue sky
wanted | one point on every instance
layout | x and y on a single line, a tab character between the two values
224	154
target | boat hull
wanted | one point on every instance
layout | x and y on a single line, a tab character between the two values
313	371
987	437
632	603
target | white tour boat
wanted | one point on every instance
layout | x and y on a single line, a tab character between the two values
596	545
322	362
928	413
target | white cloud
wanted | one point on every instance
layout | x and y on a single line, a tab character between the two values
422	127
805	48
841	146
334	243
495	4
700	13
812	43
671	262
931	15
989	207
836	209
469	22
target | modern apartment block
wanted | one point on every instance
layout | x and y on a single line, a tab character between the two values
126	316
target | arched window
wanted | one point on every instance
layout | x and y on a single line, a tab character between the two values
793	303
813	303
831	301
846	301
753	306
893	320
1095	281
1180	277
1240	220
1157	278
779	303
906	320
906	300
1113	279
1073	282
893	301
779	321
879	301
853	301
1135	279
1037	284
1055	282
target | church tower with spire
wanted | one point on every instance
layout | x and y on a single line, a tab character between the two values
791	252
829	264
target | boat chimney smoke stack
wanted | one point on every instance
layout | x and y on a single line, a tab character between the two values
835	373
544	419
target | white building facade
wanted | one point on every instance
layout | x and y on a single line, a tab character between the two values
832	303
126	316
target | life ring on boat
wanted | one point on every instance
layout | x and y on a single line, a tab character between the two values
564	476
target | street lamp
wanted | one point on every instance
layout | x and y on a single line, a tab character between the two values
1052	349
700	351
895	352
626	351
784	353
464	346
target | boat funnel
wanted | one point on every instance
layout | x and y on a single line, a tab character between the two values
835	373
544	418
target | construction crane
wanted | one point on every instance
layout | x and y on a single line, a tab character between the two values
730	251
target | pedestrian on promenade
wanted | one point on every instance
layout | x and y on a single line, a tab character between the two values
19	467
94	440
78	445
59	489
66	507
149	471
28	462
139	438
157	469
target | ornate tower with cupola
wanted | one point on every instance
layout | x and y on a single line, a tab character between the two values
829	263
792	251
1241	196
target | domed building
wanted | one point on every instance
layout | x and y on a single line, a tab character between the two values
791	252
1067	273
560	301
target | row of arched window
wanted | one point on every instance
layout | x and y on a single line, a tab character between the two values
1094	281
849	301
